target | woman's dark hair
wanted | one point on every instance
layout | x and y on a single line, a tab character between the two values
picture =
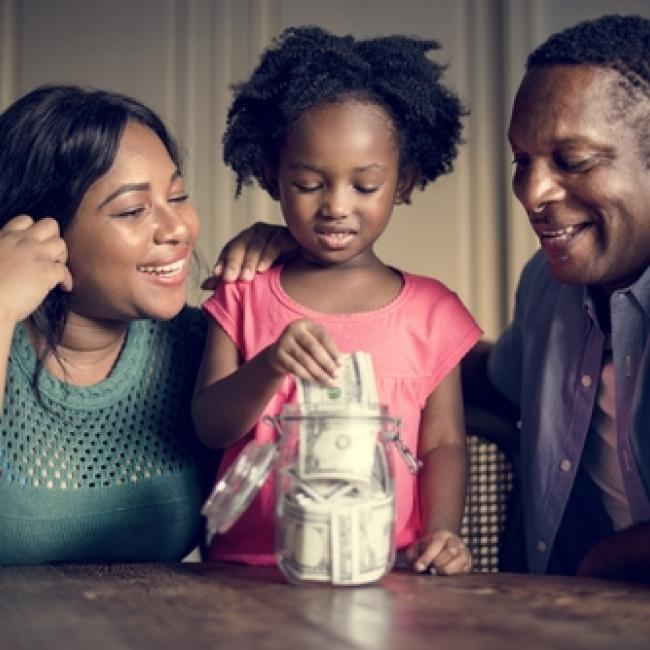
54	143
307	66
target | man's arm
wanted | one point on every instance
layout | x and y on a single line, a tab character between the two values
622	556
478	390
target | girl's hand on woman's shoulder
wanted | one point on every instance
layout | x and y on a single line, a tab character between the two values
33	260
252	251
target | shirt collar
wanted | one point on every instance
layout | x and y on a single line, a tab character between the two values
641	291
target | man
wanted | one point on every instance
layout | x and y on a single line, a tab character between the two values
575	361
574	358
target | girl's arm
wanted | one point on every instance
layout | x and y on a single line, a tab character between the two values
443	478
230	395
229	398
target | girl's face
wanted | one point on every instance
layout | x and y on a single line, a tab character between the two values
131	240
338	180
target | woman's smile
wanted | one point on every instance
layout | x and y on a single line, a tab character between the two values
168	273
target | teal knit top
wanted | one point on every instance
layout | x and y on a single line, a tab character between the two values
109	472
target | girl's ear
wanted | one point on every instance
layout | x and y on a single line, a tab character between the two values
270	181
407	179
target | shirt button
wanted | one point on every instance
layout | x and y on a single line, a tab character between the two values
541	546
586	381
565	465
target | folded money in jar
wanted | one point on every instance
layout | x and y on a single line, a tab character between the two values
334	507
347	541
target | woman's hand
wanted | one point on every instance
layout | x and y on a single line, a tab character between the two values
33	260
252	251
306	350
441	552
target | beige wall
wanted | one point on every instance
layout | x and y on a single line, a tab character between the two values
181	55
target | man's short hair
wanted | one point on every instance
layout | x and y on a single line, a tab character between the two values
620	43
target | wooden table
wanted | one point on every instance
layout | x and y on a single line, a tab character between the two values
197	606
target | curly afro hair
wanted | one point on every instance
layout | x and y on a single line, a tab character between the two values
307	66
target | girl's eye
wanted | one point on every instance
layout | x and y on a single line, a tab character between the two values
366	190
307	188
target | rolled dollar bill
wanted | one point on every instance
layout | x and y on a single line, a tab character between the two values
347	541
355	384
338	444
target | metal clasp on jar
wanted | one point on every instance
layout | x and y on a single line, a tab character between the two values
412	462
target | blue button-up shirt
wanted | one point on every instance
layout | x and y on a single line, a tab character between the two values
548	361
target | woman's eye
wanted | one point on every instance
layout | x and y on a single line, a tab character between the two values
131	212
519	161
179	198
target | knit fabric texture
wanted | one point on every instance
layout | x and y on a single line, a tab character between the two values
109	472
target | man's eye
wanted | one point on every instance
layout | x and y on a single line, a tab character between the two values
570	165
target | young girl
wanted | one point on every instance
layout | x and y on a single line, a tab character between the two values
339	131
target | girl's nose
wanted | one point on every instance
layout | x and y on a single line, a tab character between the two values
336	204
536	186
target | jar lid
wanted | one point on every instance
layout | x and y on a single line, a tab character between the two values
238	486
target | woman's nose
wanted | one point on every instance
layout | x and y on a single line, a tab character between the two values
171	226
536	186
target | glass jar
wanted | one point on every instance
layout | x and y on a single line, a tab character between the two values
334	510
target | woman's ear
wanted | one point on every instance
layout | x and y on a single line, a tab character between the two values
406	182
270	181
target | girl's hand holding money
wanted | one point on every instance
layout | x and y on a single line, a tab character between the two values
306	350
441	552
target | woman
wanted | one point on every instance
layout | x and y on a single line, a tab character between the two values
98	458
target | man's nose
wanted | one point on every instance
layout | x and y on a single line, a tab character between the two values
536	185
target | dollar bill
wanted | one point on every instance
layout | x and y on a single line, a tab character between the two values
355	384
361	547
305	534
340	424
346	541
337	446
